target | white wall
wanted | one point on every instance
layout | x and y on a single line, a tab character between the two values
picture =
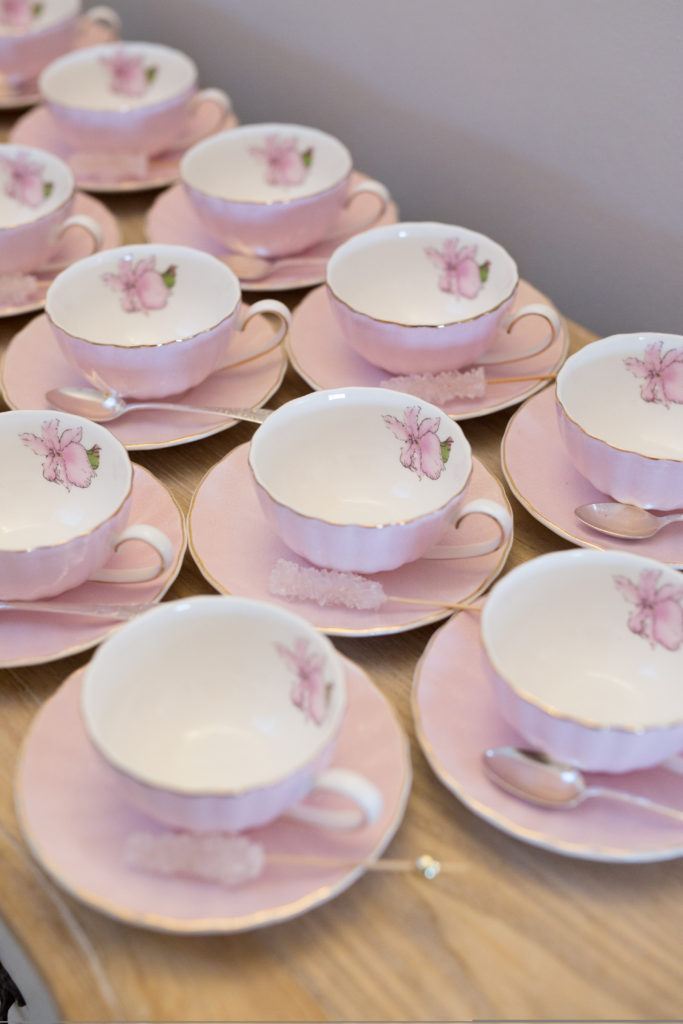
556	126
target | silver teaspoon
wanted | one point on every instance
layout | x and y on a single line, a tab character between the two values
628	521
103	406
531	776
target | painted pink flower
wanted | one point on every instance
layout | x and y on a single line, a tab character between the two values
142	287
422	451
18	13
129	75
662	375
309	692
461	274
285	165
658	615
25	179
66	460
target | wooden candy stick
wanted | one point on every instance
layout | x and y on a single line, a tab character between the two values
232	861
328	587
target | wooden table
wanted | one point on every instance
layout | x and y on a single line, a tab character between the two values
518	933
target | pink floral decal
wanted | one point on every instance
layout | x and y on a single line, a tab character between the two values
128	74
25	181
19	13
422	451
460	273
658	615
142	286
66	460
285	165
310	692
662	375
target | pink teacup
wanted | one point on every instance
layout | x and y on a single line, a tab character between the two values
220	714
66	497
620	414
34	34
585	656
367	479
126	97
148	321
423	298
37	193
272	189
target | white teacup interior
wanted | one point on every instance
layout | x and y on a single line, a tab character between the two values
33	184
118	77
421	274
594	636
627	390
62	477
142	295
23	19
364	456
214	695
266	163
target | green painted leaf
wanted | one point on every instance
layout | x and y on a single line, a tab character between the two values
151	73
47	188
484	270
446	449
169	276
36	9
307	157
94	456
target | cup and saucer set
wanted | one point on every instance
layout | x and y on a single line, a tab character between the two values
34	34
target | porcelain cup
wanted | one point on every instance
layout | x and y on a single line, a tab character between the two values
66	497
32	34
37	193
619	405
585	657
126	97
424	298
147	321
221	714
367	479
272	189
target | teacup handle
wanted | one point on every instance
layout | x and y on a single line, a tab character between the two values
533	309
149	535
482	506
363	793
106	16
263	308
218	98
81	220
375	188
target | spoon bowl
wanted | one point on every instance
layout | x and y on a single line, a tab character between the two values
628	521
105	406
532	776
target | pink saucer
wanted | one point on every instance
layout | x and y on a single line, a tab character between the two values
172	219
236	549
38	128
456	720
34	364
321	356
543	479
76	824
25	94
74	245
31	638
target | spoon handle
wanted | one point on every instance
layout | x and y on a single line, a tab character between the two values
631	798
251	415
120	612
